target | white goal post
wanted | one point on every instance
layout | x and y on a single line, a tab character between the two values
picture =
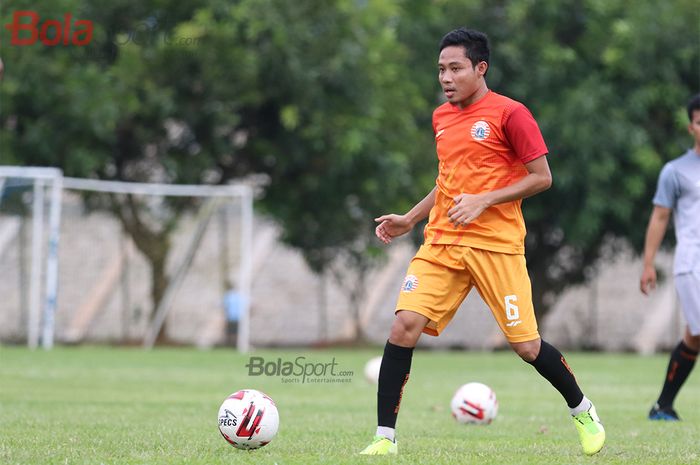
65	189
41	179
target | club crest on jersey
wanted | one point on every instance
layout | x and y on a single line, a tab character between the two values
480	130
410	283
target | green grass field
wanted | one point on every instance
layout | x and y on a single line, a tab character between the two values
125	406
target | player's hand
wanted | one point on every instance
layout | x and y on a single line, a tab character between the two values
467	208
391	226
647	282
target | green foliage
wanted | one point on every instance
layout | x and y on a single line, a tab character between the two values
331	101
327	117
606	89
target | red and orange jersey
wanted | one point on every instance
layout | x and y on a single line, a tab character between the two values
481	148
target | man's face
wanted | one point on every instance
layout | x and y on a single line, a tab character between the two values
694	127
458	77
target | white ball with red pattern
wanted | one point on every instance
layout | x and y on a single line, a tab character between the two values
474	403
372	369
248	419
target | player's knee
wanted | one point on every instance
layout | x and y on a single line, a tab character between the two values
402	335
406	331
693	342
527	355
528	351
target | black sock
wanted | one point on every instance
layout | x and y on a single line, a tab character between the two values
679	367
550	363
393	376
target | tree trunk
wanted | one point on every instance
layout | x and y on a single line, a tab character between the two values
160	281
155	247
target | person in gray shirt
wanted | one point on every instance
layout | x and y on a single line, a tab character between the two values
678	191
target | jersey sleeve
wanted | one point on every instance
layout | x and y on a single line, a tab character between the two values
667	189
524	134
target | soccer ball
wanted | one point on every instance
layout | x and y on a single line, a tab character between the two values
474	403
372	369
248	419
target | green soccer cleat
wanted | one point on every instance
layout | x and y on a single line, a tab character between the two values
590	431
381	446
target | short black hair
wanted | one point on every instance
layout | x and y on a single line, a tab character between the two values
475	43
693	105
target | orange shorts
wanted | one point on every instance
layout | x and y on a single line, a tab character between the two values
440	277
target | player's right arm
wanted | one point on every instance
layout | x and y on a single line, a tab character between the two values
658	222
393	225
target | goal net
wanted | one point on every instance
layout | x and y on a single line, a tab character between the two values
136	263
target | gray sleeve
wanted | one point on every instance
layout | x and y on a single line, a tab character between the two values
667	189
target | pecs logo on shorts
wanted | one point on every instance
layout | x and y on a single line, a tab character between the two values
410	283
480	130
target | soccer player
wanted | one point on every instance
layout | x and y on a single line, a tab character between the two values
678	190
491	155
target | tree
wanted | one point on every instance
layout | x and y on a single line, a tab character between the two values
308	95
330	101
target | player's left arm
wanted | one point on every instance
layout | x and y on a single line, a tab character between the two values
468	207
